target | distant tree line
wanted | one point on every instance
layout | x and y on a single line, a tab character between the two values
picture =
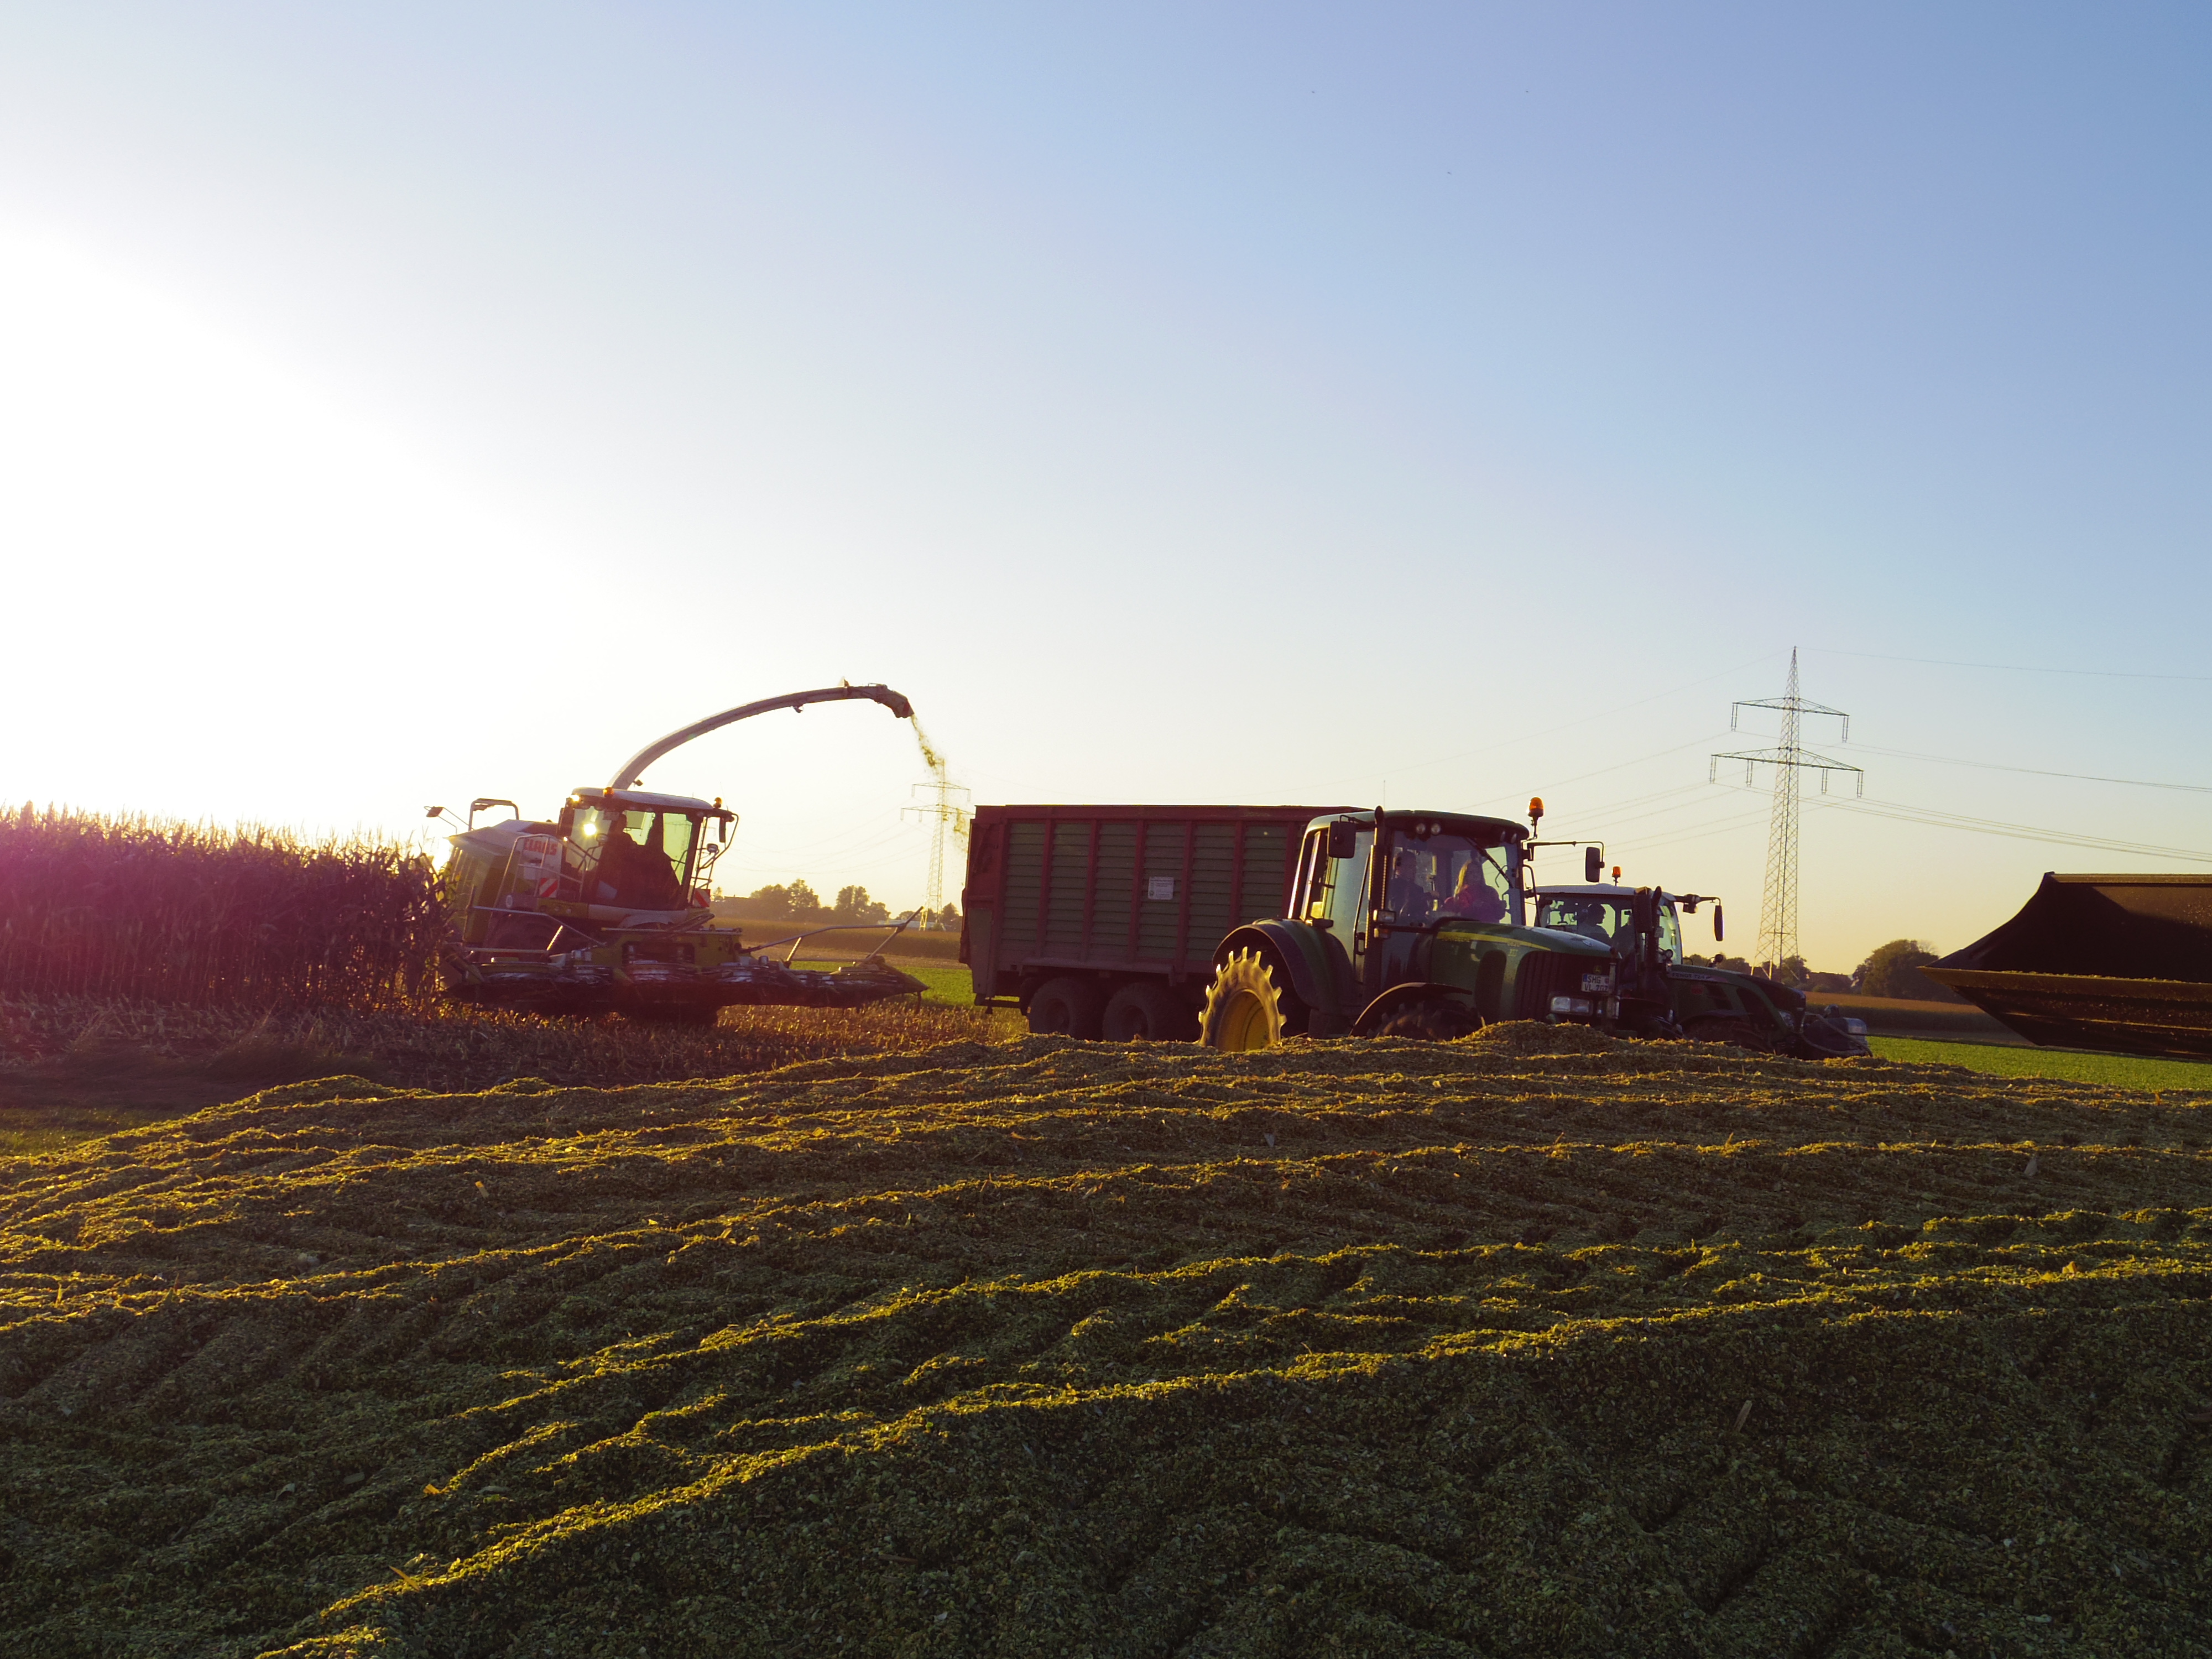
1892	971
797	902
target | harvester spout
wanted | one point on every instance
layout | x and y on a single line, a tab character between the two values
633	769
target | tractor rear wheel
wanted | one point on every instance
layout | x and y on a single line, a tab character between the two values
1436	1020
1249	1006
1147	1011
1065	1007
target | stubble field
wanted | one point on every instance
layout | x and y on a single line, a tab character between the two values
1534	1344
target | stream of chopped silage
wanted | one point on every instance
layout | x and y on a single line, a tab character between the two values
1534	1344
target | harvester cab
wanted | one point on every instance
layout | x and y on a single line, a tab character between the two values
615	858
606	908
625	851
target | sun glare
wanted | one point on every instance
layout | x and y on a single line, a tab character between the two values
221	574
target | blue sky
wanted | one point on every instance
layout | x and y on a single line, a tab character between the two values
1429	405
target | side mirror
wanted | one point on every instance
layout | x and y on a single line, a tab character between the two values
1343	839
1718	935
1593	865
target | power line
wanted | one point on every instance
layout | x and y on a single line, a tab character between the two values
1721	826
1616	817
1621	766
1529	737
1935	819
829	846
2015	667
1605	811
2034	771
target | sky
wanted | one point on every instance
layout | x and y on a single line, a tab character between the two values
1431	406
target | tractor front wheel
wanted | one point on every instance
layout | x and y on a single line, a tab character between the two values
1435	1020
1738	1033
1247	1007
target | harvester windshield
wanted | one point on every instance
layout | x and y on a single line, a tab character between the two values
632	854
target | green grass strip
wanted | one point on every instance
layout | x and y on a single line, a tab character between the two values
2113	1071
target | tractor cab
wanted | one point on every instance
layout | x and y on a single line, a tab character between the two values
1420	917
1663	994
1381	886
1642	928
1609	914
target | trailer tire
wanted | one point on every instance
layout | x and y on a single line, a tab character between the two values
1147	1011
1249	1006
1065	1007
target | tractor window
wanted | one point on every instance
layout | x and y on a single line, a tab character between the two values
1590	913
1313	877
1441	875
1343	898
1599	917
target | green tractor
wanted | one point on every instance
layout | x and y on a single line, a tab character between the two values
604	908
1662	994
1404	924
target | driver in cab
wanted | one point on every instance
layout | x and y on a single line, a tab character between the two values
1473	898
1409	896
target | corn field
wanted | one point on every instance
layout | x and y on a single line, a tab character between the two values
193	916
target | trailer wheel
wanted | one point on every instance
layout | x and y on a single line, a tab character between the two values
1065	1007
1147	1011
1246	1009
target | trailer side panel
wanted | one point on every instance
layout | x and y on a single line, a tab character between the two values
1119	893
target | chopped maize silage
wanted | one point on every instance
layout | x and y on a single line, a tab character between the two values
1532	1343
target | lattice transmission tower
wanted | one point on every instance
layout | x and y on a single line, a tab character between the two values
1777	911
944	809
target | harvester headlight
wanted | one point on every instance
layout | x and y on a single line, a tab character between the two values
1570	1005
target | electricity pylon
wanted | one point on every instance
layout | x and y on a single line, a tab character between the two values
1777	913
947	816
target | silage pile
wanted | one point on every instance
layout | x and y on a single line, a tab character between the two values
1519	1345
